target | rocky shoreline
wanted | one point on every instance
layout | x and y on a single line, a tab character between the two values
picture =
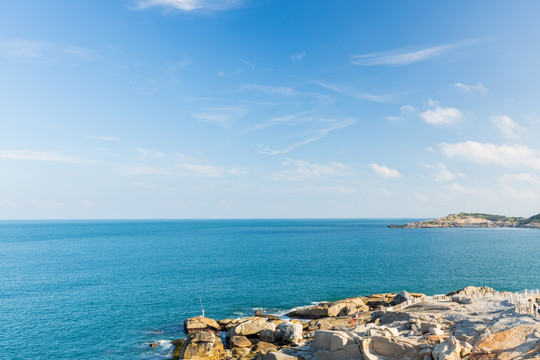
471	323
474	220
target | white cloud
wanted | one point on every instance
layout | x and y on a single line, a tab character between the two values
478	87
103	138
508	127
491	154
51	156
146	155
354	94
401	58
441	116
308	169
441	173
520	178
461	189
204	170
297	58
189	5
407	109
279	120
333	125
385	171
223	117
270	90
7	202
394	118
34	50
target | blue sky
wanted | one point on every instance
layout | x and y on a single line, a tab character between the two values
263	108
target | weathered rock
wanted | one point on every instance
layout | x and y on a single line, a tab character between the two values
424	326
239	341
462	299
472	290
250	327
337	323
267	335
380	347
450	349
435	331
263	347
348	352
402	297
339	340
511	343
322	339
202	345
289	332
388	317
332	309
200	323
278	355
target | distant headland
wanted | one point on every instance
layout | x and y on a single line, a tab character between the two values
475	220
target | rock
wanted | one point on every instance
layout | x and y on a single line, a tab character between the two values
462	299
436	339
391	331
450	349
250	327
402	297
322	339
471	291
511	343
263	347
202	345
338	323
239	341
380	347
339	340
435	331
200	323
267	335
153	345
332	309
388	317
347	353
289	332
278	355
226	324
424	326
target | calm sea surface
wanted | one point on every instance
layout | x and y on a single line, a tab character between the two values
106	289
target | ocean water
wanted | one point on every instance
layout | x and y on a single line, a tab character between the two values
106	289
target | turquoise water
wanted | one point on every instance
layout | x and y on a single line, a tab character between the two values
106	289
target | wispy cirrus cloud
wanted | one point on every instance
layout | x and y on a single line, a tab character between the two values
384	171
50	156
147	154
36	50
491	154
354	94
401	58
223	117
103	138
270	90
471	88
279	120
188	5
329	125
297	58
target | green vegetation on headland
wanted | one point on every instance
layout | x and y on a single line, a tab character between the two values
475	220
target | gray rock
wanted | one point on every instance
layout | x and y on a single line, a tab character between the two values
402	297
267	335
339	340
289	332
450	349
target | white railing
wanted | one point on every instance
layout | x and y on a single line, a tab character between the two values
523	301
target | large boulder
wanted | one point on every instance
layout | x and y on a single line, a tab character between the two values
450	349
289	332
239	341
402	297
462	299
381	347
250	327
202	345
472	290
278	355
267	335
200	323
263	347
344	307
336	323
511	343
348	352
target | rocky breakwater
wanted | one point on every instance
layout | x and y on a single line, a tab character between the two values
469	326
